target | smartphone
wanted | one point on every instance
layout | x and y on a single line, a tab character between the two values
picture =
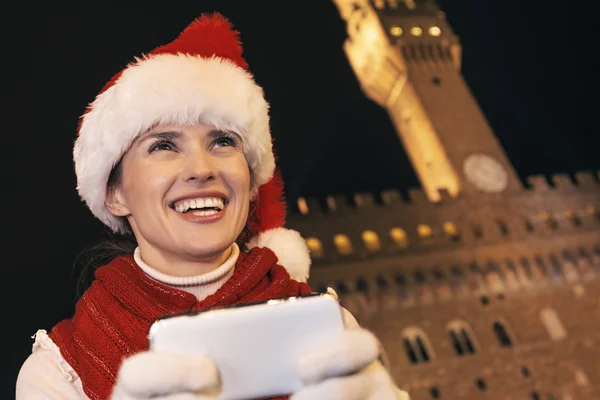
255	346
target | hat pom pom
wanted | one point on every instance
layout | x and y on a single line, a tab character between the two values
289	247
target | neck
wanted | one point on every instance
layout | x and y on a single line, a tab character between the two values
181	266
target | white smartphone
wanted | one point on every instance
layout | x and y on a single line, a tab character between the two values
255	346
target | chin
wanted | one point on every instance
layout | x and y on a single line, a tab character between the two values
207	248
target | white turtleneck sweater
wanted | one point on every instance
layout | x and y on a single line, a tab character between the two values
200	286
46	375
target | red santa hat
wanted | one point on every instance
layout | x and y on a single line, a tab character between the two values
201	76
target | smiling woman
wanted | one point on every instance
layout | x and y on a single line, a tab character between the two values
176	150
185	193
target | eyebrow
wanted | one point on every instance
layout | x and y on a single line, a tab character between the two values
169	135
217	133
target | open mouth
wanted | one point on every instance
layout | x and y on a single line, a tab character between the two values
202	206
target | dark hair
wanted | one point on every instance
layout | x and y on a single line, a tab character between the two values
97	255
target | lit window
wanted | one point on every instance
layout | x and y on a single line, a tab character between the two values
342	244
424	231
450	229
396	31
302	206
416	31
552	323
593	211
315	247
399	237
435	31
371	240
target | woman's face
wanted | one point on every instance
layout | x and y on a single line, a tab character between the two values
185	191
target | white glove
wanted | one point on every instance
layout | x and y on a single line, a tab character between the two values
160	376
346	368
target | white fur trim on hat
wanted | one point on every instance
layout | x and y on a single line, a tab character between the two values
289	247
169	89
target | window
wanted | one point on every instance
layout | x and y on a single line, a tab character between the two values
371	241
451	231
494	277
424	231
555	269
502	227
502	334
416	345
342	244
511	274
552	323
434	392
526	268
573	217
461	338
547	218
302	206
535	396
362	285
315	247
399	237
540	267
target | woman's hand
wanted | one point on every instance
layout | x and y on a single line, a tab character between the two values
346	368
149	375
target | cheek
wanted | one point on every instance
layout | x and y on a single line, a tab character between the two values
239	176
146	182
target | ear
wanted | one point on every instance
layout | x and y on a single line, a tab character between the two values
116	203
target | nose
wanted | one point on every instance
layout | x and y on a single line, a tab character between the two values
199	166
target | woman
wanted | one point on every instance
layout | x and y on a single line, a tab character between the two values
176	149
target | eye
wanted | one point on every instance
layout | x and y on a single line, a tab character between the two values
162	144
225	140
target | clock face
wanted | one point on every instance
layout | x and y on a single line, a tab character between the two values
486	173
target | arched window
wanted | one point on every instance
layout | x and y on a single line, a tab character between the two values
553	324
417	346
371	241
302	206
502	334
555	269
451	231
461	337
573	217
342	244
399	237
494	277
315	247
424	231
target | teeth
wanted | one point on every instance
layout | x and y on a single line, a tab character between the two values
204	212
200	203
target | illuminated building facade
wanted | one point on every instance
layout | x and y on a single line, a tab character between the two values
479	286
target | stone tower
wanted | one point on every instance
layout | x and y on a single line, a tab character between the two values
479	287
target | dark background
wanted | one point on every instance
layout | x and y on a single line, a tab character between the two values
531	64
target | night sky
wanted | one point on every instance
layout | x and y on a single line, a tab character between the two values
531	67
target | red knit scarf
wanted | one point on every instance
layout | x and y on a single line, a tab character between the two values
114	315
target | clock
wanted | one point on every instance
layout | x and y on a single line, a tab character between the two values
486	173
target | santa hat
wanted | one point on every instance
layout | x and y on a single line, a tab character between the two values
201	76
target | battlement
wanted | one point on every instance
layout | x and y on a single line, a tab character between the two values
488	278
582	182
365	225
